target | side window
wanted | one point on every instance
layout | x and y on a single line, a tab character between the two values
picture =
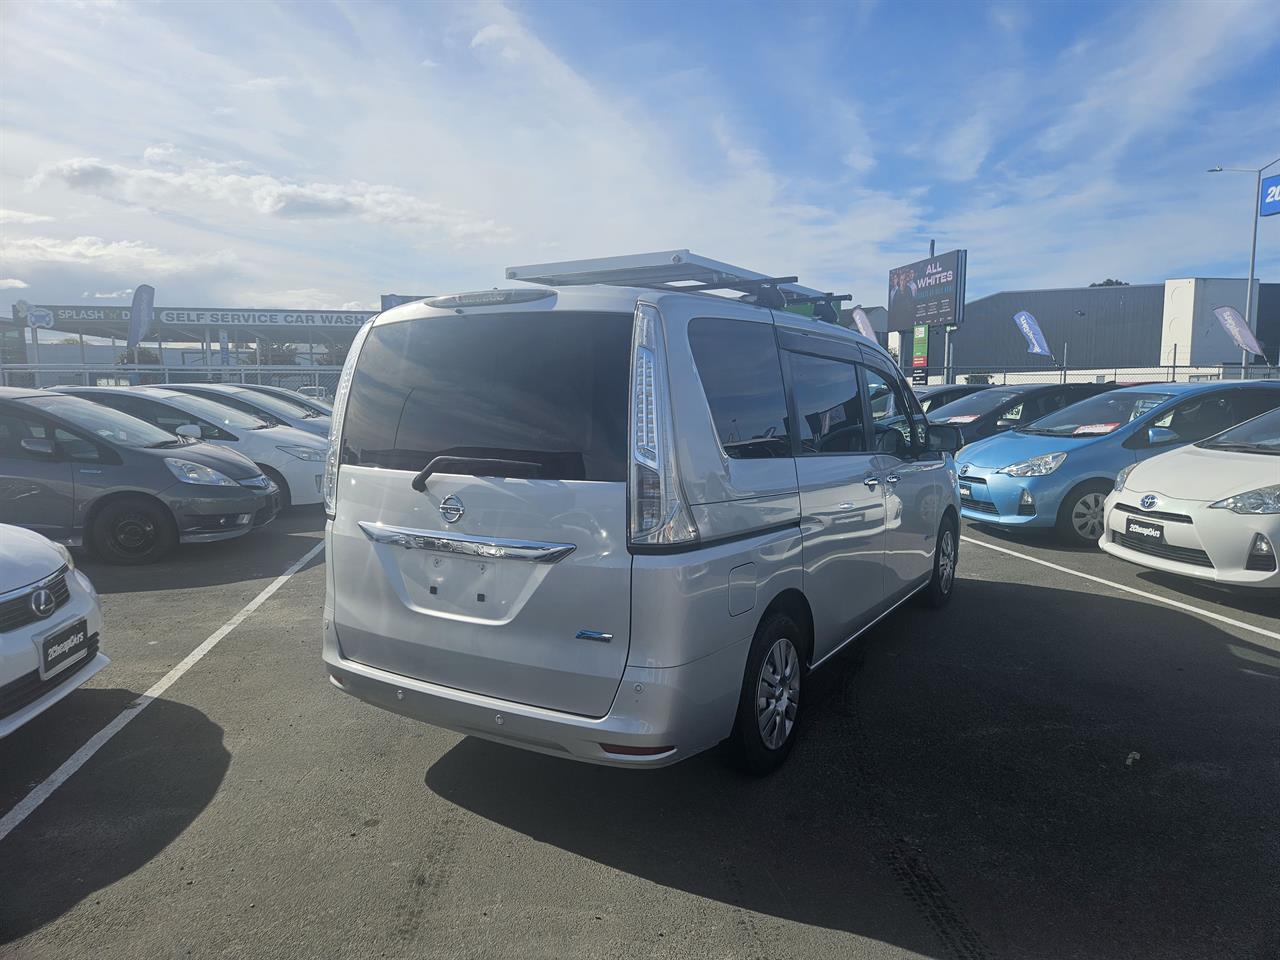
1201	417
738	365
1253	403
890	411
13	430
1049	402
75	447
133	406
828	404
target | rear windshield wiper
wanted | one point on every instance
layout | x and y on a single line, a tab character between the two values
476	467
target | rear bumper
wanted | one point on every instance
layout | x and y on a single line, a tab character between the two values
687	708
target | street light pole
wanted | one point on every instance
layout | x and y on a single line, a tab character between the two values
1253	248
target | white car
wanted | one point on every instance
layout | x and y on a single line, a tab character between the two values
269	407
292	459
1209	511
50	623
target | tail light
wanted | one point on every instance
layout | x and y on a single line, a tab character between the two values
658	514
329	482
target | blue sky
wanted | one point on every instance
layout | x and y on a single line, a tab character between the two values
316	155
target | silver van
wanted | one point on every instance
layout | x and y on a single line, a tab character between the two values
621	523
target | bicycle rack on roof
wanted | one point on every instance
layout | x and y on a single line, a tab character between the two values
682	271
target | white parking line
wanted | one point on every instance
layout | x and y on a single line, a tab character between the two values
1167	601
78	759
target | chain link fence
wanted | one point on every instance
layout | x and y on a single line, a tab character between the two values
314	381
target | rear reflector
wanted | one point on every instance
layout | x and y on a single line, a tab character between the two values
623	750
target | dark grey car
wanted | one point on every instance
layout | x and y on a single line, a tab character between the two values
82	473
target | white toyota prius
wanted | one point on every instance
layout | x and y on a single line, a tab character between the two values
50	624
1209	511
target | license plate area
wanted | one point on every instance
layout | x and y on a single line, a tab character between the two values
61	649
1146	530
966	490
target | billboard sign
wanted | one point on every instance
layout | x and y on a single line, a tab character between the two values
920	347
928	291
1269	202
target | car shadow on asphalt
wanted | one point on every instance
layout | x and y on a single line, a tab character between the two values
1032	772
125	806
1264	603
264	552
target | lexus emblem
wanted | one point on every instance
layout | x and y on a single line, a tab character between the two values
1148	501
964	469
43	602
451	509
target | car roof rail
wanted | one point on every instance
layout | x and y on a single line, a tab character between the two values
683	272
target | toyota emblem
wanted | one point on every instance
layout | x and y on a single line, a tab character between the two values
1148	501
43	602
451	509
964	469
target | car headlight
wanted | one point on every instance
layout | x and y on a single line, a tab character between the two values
189	472
303	453
1264	500
1123	475
1039	466
65	554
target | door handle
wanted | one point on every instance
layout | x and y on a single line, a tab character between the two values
892	479
871	482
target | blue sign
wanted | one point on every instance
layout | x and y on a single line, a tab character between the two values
1036	342
224	349
1270	204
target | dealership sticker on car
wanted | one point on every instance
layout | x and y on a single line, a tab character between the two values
1137	527
966	490
59	649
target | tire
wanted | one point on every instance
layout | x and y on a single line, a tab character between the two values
768	716
133	531
1080	516
946	559
275	477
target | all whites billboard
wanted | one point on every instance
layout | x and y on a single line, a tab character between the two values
928	291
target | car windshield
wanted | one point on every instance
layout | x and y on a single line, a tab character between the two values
1259	435
1098	415
285	409
105	423
218	413
970	408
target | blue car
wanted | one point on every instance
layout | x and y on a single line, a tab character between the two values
1057	471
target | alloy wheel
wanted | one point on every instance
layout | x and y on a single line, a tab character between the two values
946	560
778	693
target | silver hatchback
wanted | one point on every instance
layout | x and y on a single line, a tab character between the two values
621	524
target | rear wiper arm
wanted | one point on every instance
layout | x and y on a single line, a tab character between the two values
476	467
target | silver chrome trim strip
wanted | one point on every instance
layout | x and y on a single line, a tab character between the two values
36	585
593	635
854	636
487	548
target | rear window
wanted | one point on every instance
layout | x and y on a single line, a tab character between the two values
550	388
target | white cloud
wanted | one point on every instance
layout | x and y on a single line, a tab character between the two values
305	298
174	183
18	216
428	62
268	84
108	295
12	283
123	256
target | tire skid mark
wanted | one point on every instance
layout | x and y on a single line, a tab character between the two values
434	872
916	879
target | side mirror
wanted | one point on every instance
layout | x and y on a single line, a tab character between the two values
38	448
190	431
1160	436
944	438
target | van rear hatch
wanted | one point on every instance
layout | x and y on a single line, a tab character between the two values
508	573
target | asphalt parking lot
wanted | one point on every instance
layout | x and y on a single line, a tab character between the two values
1052	767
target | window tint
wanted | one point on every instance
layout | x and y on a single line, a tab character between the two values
828	404
98	421
13	430
890	410
738	364
76	448
1201	417
550	388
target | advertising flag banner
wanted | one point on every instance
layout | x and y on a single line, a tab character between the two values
140	314
1036	343
1237	329
862	323
1269	202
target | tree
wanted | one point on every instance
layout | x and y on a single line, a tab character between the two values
144	354
1109	283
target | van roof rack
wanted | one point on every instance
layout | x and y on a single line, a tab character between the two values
674	270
